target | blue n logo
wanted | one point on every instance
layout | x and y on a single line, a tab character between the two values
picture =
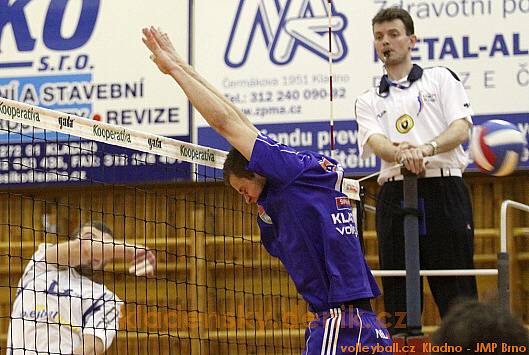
285	25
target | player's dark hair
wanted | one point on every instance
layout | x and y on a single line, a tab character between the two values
395	13
470	323
236	164
99	225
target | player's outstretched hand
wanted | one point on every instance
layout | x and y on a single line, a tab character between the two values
162	50
144	262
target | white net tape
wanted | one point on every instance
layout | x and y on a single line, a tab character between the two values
107	133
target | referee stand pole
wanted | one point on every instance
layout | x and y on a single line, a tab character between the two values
414	334
503	281
360	215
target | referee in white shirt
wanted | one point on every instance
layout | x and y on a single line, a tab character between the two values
414	114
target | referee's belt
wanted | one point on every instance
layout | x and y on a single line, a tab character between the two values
430	173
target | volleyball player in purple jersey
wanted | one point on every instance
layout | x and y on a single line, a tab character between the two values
305	220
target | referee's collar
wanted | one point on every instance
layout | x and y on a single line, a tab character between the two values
385	83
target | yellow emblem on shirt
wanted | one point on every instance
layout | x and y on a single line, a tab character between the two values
404	124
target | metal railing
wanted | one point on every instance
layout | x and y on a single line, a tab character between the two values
502	270
503	256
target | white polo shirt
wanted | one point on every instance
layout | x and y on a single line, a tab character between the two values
54	307
416	114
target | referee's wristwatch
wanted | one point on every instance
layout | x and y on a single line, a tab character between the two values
434	145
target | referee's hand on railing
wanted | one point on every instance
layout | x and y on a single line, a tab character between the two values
412	158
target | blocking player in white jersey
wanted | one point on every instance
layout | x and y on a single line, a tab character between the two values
59	310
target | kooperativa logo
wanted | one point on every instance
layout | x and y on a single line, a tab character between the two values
284	26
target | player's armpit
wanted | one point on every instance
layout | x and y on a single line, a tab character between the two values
241	137
91	345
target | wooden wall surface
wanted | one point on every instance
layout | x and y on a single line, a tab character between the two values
217	291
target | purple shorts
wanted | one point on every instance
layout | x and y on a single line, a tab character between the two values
347	330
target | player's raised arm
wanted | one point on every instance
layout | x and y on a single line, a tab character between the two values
216	110
93	247
165	43
67	254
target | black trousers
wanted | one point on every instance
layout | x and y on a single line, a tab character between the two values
446	242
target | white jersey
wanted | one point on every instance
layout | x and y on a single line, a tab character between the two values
416	114
54	307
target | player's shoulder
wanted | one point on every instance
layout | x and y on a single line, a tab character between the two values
41	251
272	143
322	164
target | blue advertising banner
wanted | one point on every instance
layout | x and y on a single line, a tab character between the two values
86	58
82	161
315	136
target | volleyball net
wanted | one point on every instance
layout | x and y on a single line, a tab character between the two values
214	289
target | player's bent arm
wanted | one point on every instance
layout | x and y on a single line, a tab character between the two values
383	147
456	134
91	345
77	252
143	260
81	252
119	250
66	253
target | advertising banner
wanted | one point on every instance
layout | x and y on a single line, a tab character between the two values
86	58
270	58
